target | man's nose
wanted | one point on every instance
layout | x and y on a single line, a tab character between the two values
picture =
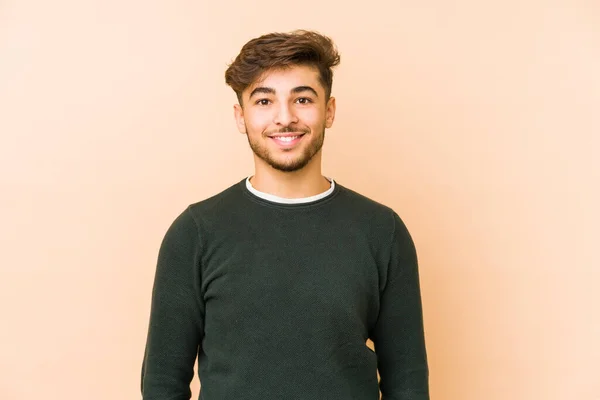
285	115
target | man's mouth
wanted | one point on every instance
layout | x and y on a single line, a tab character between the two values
287	140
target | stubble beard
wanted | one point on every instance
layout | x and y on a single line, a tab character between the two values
289	165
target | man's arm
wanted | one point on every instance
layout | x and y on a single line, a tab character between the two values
176	315
398	335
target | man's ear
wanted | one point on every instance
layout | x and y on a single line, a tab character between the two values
238	114
330	112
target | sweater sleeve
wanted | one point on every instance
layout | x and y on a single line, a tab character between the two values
176	315
398	335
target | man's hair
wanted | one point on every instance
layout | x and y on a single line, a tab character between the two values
280	51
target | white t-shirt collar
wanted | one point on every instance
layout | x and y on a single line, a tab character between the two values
284	200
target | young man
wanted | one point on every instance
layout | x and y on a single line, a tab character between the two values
276	283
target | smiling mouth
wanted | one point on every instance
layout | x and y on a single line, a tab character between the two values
287	140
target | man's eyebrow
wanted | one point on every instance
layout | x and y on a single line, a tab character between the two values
296	90
301	89
262	89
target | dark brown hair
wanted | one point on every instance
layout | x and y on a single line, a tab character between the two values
283	50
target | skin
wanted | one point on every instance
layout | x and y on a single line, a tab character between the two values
290	100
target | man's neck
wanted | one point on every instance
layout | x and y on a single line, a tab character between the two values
306	182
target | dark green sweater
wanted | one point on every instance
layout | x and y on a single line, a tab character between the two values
278	300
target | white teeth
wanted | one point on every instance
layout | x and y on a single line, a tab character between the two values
286	138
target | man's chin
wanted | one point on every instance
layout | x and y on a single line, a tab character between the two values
287	167
285	163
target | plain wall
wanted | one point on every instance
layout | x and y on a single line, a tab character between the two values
478	122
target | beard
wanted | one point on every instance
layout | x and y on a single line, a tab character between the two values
287	164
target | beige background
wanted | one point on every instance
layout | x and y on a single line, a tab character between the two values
477	121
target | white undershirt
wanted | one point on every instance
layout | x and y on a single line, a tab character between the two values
283	200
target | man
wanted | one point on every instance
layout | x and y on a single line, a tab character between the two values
276	283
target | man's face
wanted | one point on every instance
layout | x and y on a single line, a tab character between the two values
285	116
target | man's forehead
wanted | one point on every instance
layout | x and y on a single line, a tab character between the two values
287	78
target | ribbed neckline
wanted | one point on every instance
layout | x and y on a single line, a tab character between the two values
271	200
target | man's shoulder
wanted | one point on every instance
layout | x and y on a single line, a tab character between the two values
224	198
211	203
371	215
363	202
193	213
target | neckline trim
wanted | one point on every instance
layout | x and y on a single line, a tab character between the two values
282	200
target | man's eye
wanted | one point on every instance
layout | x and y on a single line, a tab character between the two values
304	100
263	102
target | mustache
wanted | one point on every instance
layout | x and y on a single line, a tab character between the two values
288	129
